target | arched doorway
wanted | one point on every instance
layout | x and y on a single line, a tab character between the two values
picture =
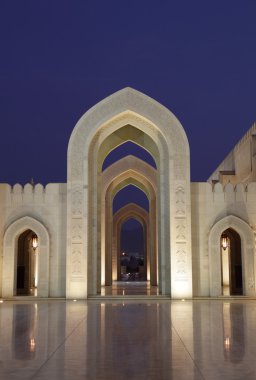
129	171
27	264
122	176
19	237
128	115
231	263
240	236
143	186
132	255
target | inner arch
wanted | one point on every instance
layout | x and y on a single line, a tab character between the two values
123	135
125	149
130	194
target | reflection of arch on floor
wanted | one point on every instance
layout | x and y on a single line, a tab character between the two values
11	237
114	178
247	253
134	211
128	115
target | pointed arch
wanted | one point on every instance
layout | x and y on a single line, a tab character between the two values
12	233
247	250
136	212
154	127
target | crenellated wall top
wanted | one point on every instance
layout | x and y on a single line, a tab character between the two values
52	192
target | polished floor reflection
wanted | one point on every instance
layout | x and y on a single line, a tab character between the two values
202	339
130	288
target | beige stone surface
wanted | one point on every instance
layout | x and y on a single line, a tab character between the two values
78	232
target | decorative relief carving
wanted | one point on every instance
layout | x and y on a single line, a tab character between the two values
76	229
76	262
250	283
181	262
76	159
77	200
180	230
180	201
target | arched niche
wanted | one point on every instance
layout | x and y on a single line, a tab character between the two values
11	237
136	212
247	253
128	107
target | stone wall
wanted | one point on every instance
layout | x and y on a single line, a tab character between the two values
211	204
239	166
48	206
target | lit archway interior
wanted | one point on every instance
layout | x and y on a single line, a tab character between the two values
133	211
231	263
132	255
27	264
125	176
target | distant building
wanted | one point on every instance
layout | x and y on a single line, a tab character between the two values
63	240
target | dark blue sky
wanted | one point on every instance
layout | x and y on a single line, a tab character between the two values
59	58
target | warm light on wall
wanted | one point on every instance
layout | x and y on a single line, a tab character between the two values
32	345
224	242
34	242
227	343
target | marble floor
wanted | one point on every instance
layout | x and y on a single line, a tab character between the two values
119	340
125	288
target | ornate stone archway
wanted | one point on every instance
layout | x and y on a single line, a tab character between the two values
128	170
117	184
247	247
157	127
134	211
11	236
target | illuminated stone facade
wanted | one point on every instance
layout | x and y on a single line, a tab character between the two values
78	235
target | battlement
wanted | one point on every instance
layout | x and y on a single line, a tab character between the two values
36	193
229	193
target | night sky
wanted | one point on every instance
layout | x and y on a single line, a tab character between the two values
58	58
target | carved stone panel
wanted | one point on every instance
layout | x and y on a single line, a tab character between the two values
251	283
77	271
180	230
181	262
77	200
76	233
180	203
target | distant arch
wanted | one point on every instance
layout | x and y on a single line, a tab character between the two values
119	182
12	233
136	212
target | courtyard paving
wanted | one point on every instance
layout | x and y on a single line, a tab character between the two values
128	339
